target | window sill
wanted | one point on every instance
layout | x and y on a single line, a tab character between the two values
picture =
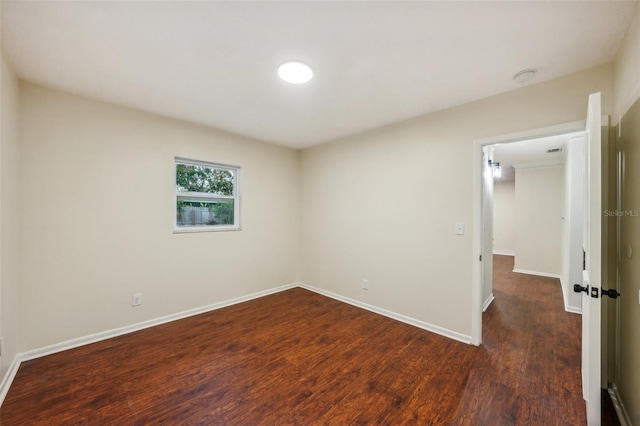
196	229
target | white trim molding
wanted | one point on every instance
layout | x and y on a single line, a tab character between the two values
393	315
540	274
565	299
9	376
572	309
538	165
487	302
504	252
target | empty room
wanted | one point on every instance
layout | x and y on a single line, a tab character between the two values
280	213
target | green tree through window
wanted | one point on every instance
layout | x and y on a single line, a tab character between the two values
191	178
206	195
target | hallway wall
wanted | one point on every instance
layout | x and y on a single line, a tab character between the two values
382	205
539	202
504	210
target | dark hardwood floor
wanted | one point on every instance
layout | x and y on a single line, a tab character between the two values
299	358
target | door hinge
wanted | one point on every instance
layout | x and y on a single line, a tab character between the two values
480	258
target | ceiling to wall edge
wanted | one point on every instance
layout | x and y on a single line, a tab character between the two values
521	153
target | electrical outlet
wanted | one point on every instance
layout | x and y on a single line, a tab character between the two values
136	300
365	284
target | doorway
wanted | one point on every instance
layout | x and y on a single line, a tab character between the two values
482	169
535	202
531	305
595	217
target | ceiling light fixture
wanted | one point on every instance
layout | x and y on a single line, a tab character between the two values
295	72
496	170
525	75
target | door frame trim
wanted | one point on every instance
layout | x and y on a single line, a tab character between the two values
478	145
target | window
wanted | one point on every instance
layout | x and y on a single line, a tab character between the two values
207	196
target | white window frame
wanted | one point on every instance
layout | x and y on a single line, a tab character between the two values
207	197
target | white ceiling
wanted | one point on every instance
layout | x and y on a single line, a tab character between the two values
530	153
375	63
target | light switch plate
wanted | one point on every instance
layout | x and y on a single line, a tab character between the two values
459	228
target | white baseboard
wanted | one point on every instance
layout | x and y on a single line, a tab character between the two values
573	309
104	335
565	299
504	252
540	274
487	302
9	376
97	337
621	411
393	315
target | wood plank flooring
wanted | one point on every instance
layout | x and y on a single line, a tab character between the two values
298	358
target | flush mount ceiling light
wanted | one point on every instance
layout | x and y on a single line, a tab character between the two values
525	75
295	72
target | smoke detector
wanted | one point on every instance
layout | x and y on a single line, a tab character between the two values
525	75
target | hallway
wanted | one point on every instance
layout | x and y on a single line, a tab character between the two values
531	361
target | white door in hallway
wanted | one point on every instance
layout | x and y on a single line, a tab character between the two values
592	245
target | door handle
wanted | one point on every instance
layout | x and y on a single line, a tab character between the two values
578	288
612	293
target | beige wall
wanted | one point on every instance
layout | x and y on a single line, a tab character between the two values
98	210
539	197
627	70
9	215
629	380
627	93
504	217
382	205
